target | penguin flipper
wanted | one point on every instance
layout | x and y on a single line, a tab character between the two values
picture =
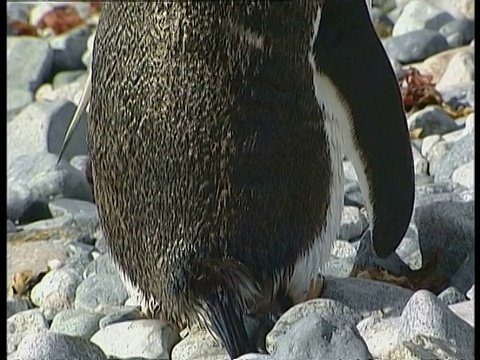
355	81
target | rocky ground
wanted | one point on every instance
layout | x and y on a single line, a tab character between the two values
64	291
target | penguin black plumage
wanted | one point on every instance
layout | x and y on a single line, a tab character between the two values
216	133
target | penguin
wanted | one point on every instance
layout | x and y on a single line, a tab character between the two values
216	136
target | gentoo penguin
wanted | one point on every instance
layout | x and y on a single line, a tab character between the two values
216	135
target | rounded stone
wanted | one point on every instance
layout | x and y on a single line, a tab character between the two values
54	346
150	339
100	290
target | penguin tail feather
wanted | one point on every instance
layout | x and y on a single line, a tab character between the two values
225	316
228	293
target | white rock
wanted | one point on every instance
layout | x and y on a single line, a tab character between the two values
428	143
353	223
149	339
418	15
379	334
21	324
454	135
465	174
420	164
465	310
470	124
460	69
471	293
56	291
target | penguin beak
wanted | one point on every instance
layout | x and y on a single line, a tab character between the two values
358	91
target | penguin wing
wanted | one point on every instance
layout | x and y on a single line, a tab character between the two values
355	83
76	117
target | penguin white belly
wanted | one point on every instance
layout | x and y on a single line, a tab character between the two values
308	266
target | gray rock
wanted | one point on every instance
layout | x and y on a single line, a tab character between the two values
448	227
423	347
397	69
424	314
84	213
61	207
68	49
471	293
437	154
11	227
22	323
465	174
420	164
471	95
353	195
17	99
56	291
415	46
100	243
127	314
395	13
314	337
423	179
66	77
29	62
256	357
458	32
150	339
409	249
334	312
385	5
370	296
16	305
470	124
101	265
457	95
79	162
461	153
54	346
451	295
379	17
465	310
79	262
41	126
366	257
464	278
349	171
98	290
17	11
87	55
417	15
71	92
433	120
198	345
76	323
33	178
353	223
338	267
